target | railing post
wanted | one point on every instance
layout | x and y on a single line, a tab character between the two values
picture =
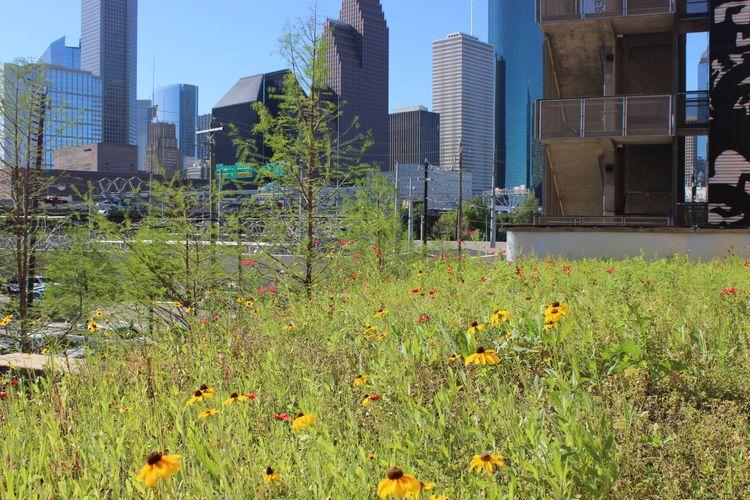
582	125
625	116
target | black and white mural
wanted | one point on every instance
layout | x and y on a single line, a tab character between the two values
729	131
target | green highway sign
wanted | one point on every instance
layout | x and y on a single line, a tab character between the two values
244	171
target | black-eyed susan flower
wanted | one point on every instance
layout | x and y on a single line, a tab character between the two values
475	327
234	398
361	380
482	356
201	395
371	329
208	413
157	467
397	484
499	316
249	304
93	326
98	313
486	463
271	476
6	320
369	399
455	357
127	409
381	312
303	420
177	303
240	300
438	497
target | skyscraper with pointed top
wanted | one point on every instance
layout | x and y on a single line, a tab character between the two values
358	66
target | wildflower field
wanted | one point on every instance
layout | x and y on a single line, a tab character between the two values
430	377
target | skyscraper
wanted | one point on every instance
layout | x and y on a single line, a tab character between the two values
178	104
517	41
59	54
463	92
414	136
163	156
358	65
144	118
704	70
203	141
109	43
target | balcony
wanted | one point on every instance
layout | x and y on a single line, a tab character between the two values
565	10
599	117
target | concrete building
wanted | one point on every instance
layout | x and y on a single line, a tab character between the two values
358	65
442	186
178	104
109	50
203	141
102	158
145	116
235	108
517	41
463	93
414	136
195	168
163	157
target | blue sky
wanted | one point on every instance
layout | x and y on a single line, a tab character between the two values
213	43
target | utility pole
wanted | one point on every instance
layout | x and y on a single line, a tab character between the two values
493	215
459	228
411	216
213	211
424	217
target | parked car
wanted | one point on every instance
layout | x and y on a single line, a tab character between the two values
36	286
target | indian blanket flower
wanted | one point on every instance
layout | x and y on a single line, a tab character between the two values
486	463
369	399
482	356
234	398
382	312
498	317
252	395
724	293
271	476
423	318
282	416
208	413
157	467
4	395
248	263
475	327
397	484
303	420
6	320
361	380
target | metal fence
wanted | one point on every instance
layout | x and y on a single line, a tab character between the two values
604	117
609	221
693	109
560	10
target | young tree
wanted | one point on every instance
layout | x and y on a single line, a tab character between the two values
318	158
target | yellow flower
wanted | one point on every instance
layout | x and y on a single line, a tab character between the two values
290	327
234	398
381	312
499	317
438	497
554	312
93	326
397	484
369	399
99	313
203	393
303	421
177	303
127	409
475	327
454	358
271	476
157	467
240	300
382	336
486	463
249	304
371	329
483	357
45	351
361	380
6	320
208	413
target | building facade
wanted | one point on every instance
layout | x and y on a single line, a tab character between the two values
144	117
59	54
414	136
109	46
358	65
163	156
103	158
235	109
517	41
203	141
178	104
463	93
442	186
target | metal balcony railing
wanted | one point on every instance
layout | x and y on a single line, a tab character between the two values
692	109
608	221
604	117
561	10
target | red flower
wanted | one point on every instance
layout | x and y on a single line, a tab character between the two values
551	262
216	317
357	255
566	269
423	319
379	255
415	290
729	291
204	321
271	288
646	282
281	416
375	248
254	395
4	395
375	397
611	270
519	272
747	263
432	292
276	315
483	279
249	262
353	276
344	243
14	382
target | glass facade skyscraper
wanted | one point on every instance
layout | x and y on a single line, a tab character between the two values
109	46
517	41
60	54
145	116
203	141
178	104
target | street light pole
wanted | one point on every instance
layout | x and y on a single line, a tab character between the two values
493	216
460	214
424	218
213	210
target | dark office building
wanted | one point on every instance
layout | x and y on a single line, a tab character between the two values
235	108
203	141
109	46
414	136
358	62
163	155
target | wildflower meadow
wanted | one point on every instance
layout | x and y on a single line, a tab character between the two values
433	377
